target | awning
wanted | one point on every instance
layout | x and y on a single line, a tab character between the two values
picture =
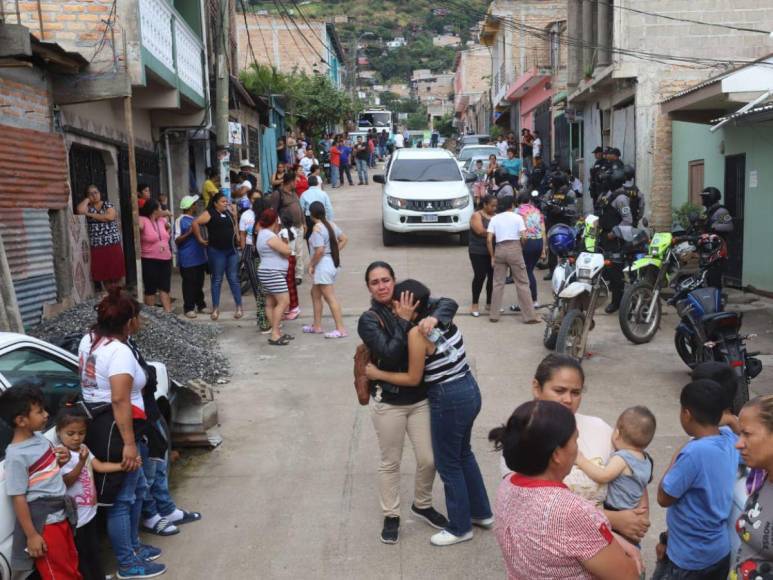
525	83
560	97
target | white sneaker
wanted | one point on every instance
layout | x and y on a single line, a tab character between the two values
446	538
536	304
486	523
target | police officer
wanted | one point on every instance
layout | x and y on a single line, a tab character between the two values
718	221
613	158
596	172
615	211
559	206
635	195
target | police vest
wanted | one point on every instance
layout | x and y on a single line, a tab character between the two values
610	216
634	200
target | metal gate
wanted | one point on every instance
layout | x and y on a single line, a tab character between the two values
735	190
542	124
563	146
149	173
267	158
29	248
87	167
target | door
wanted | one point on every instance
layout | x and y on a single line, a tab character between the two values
542	122
735	186
87	167
695	181
562	153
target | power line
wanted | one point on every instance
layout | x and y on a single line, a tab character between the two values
249	38
292	36
303	36
306	21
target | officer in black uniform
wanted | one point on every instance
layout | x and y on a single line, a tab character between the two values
635	195
559	206
718	221
596	172
613	158
615	211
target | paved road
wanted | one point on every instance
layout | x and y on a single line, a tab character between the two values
292	492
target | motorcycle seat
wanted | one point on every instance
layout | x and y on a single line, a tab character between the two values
722	321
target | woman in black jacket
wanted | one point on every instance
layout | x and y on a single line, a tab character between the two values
395	410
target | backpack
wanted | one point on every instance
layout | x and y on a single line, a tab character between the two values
362	357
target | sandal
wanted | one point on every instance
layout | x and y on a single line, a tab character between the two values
336	334
288	336
163	527
309	329
238	313
281	341
215	314
187	518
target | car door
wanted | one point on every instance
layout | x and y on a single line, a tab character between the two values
60	382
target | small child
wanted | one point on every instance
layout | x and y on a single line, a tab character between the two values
33	480
71	425
724	375
629	469
479	187
697	488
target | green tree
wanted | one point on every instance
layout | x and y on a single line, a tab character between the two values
445	125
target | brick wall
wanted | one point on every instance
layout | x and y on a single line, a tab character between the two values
24	103
476	71
278	43
75	24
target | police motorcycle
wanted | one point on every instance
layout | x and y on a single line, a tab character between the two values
708	332
650	276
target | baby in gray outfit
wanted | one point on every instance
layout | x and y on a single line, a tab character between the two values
629	468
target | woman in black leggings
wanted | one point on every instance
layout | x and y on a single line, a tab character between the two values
479	256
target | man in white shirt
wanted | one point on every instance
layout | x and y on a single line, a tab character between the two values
399	141
537	145
502	146
307	161
505	246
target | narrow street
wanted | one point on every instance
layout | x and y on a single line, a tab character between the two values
292	492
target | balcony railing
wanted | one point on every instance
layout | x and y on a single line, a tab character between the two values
171	49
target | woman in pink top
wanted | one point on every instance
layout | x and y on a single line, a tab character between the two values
536	244
156	255
543	529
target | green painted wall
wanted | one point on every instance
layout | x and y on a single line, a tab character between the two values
692	142
756	141
190	10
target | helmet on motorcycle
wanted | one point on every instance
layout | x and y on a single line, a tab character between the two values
557	180
629	171
710	196
710	249
561	239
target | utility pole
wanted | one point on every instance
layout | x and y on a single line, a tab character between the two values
221	106
129	121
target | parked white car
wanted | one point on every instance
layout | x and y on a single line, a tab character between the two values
23	357
469	151
424	191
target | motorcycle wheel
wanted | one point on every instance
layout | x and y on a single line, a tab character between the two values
570	335
551	334
633	312
687	350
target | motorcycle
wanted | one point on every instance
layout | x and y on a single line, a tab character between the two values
640	308
324	159
708	332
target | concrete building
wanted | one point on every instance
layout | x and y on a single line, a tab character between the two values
446	40
621	68
528	66
147	54
396	42
472	81
313	48
719	137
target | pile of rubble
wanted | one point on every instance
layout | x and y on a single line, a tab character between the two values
189	351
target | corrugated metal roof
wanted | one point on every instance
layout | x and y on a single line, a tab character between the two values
755	110
33	169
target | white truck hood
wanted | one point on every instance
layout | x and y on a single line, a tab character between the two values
426	189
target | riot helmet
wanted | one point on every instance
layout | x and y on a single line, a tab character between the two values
629	171
710	196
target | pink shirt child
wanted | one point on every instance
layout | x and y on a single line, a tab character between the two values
154	239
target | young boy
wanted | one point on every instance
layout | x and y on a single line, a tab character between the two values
34	482
697	489
724	375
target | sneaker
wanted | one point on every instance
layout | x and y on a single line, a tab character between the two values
515	308
141	570
431	516
537	304
486	523
391	532
148	553
191	314
292	314
446	538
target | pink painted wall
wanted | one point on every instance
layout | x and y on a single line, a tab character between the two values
530	101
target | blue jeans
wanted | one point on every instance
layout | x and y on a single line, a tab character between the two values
335	175
123	517
382	150
362	170
158	500
224	262
532	252
453	408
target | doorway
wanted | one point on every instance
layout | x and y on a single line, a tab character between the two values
735	186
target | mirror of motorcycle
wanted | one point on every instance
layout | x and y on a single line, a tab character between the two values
378	179
645	222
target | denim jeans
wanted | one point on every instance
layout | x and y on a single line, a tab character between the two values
532	252
158	500
335	175
667	570
453	408
346	170
123	517
224	262
362	170
382	151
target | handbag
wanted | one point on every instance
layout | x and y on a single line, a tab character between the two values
362	357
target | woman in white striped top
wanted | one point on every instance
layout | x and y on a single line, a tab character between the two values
440	363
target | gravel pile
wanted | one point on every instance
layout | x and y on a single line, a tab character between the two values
189	351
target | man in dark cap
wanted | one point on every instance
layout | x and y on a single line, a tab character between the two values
613	158
596	170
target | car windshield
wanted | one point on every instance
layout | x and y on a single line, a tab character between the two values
475	139
481	151
425	170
